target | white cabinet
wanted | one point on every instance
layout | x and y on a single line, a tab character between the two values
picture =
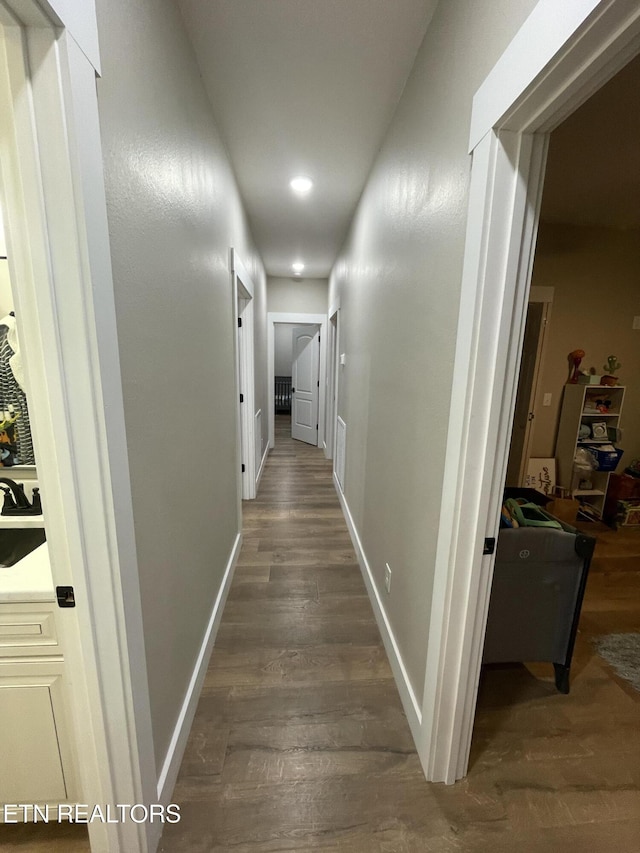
583	407
35	746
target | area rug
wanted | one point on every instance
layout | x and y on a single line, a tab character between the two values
622	651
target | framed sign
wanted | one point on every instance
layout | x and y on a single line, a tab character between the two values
541	475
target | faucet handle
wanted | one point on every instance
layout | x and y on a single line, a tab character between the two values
36	501
8	502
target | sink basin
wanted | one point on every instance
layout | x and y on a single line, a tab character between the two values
17	542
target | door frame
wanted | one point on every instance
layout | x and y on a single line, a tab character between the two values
274	317
63	290
554	63
544	296
333	360
243	302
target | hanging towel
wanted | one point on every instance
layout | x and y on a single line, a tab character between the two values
15	361
12	395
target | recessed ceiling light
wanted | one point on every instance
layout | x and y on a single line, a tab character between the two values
297	267
301	185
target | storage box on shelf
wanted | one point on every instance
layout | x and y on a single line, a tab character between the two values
582	407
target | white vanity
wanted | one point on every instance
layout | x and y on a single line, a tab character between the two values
36	758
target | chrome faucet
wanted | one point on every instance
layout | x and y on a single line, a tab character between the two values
16	501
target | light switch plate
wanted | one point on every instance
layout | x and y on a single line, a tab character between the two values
546	400
636	323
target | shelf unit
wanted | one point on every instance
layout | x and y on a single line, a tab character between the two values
576	412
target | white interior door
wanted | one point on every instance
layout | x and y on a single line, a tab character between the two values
305	384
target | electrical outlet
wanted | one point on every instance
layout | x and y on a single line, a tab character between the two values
546	400
387	577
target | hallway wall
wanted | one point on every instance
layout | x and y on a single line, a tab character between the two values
174	212
398	280
307	296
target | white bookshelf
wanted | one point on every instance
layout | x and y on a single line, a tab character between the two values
577	411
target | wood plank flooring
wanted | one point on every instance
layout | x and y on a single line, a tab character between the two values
300	743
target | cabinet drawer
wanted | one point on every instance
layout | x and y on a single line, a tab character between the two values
28	629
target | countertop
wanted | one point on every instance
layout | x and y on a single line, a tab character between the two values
30	579
21	521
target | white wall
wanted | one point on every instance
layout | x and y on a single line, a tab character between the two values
174	212
282	349
307	296
398	280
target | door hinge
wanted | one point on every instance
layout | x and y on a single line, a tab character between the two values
489	545
242	398
239	322
318	383
243	468
66	596
316	426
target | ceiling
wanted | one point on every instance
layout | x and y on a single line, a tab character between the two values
304	87
593	169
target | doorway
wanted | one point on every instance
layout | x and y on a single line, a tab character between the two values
311	360
587	246
59	251
297	379
513	112
249	420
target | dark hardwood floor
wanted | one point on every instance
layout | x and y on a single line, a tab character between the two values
300	743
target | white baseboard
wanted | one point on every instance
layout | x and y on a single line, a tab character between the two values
409	702
173	759
264	459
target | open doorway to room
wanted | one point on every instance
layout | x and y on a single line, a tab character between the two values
297	376
577	418
64	604
297	379
37	741
250	445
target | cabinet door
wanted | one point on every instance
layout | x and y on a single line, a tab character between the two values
32	770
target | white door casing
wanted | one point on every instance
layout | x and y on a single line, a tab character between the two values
554	63
243	325
274	317
59	246
331	381
305	384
